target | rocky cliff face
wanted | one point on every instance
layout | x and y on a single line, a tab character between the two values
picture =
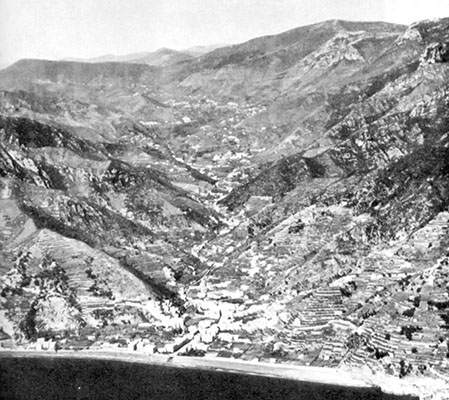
292	190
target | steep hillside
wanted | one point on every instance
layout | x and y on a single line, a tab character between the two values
73	206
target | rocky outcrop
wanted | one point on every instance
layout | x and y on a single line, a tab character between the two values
436	53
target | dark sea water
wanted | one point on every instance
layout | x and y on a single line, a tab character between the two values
65	378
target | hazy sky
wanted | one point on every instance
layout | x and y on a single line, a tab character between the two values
55	29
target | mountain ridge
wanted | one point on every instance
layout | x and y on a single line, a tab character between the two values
162	56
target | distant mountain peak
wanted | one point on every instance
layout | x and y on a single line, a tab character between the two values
165	50
161	56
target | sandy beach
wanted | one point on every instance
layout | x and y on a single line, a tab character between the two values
284	371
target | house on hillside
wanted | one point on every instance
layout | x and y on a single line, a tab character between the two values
6	341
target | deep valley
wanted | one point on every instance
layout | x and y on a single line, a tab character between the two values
284	200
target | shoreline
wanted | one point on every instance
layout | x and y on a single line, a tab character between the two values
318	375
